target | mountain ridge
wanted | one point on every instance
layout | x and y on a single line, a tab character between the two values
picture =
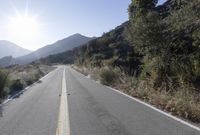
59	46
55	48
8	48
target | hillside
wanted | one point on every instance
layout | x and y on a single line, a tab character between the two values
111	45
7	61
10	49
67	57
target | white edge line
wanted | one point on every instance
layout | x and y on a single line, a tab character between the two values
148	105
156	109
22	91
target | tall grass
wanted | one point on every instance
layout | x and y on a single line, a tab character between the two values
14	79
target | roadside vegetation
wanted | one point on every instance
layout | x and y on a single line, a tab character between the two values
3	83
16	78
108	77
155	56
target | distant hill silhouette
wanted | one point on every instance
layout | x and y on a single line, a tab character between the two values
60	46
10	49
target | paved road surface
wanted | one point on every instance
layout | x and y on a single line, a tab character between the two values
36	111
93	110
97	110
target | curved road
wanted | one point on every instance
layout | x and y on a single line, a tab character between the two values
93	110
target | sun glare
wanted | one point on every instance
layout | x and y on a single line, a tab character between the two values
23	26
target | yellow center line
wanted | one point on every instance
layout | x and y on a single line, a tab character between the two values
63	127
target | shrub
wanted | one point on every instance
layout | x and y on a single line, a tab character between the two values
17	85
37	76
3	80
108	76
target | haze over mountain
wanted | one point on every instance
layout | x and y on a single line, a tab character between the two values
58	47
8	48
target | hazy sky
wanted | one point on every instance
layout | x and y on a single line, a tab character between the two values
58	19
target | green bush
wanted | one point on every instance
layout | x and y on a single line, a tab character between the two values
108	76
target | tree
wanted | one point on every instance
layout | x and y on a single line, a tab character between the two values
141	7
169	45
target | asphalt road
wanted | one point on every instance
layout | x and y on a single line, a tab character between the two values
97	110
93	109
36	111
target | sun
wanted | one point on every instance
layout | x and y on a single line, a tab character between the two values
24	26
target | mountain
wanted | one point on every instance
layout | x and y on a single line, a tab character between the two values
112	48
7	61
58	47
10	49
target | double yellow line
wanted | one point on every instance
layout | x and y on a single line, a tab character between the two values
63	127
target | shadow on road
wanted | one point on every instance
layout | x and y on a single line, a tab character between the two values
40	81
18	93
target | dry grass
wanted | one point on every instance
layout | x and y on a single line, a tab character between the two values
22	76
